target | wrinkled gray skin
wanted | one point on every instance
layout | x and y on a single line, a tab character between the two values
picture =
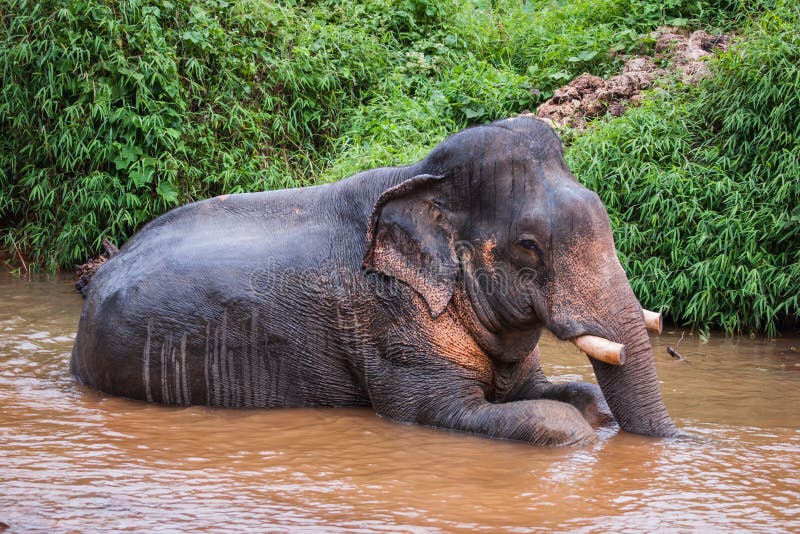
420	291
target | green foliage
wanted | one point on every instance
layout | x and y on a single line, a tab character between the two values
488	60
111	112
704	187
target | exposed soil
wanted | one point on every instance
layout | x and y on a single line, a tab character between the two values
589	96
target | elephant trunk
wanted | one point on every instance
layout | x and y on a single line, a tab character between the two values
590	299
631	389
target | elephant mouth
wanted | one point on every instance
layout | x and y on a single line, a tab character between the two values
610	352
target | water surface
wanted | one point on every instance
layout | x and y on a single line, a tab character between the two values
72	459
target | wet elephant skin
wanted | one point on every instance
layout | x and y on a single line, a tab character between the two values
420	291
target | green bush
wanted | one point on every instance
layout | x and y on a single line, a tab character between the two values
703	187
112	112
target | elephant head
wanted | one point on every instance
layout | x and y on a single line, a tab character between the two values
494	218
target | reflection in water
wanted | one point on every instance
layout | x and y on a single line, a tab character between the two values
74	459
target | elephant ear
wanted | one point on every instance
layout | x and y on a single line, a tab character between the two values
410	238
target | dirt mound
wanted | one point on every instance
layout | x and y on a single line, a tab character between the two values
689	54
589	96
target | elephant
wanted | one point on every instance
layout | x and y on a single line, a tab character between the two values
420	291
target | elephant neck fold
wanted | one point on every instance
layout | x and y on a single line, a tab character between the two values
501	346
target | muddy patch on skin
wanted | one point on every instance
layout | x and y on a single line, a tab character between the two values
588	96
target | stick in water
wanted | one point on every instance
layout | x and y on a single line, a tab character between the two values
674	353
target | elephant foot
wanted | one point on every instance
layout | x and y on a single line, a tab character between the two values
539	422
585	397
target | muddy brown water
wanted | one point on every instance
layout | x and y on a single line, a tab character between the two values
72	459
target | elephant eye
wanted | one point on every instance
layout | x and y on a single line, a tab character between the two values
529	244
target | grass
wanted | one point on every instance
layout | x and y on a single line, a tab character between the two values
111	112
703	187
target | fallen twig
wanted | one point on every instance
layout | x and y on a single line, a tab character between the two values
111	248
674	353
21	259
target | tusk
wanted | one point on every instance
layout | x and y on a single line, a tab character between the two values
653	321
601	349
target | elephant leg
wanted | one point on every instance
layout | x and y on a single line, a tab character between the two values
539	421
586	397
